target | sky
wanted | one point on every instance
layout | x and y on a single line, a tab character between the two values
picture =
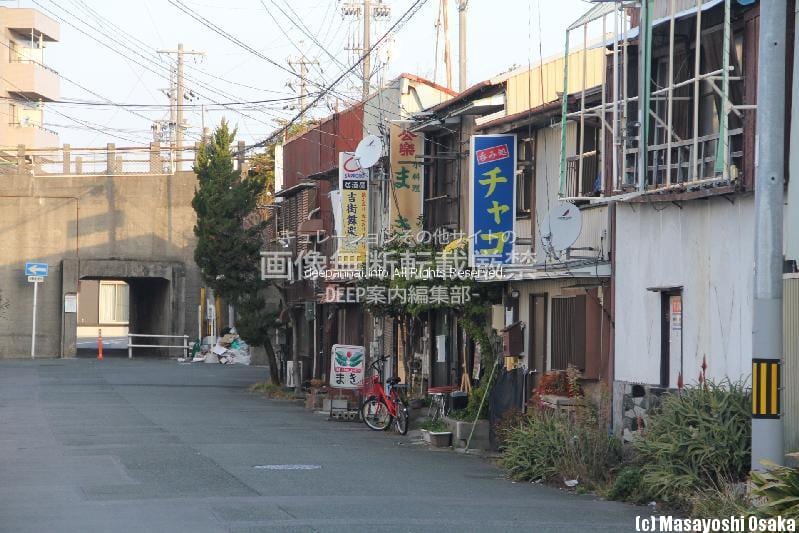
108	53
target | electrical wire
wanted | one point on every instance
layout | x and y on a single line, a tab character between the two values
396	26
158	64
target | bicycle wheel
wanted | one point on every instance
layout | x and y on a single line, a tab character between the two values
375	414
402	418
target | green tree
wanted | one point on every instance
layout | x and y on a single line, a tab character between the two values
228	241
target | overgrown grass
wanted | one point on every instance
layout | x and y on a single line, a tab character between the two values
695	442
726	499
546	445
271	391
437	426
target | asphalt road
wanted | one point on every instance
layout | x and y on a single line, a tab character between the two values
118	445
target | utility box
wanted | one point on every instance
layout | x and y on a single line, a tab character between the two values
513	339
497	317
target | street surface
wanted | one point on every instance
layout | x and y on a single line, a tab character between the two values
144	445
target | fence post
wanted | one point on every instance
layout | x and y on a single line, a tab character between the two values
66	159
110	158
240	155
20	159
186	346
130	348
155	158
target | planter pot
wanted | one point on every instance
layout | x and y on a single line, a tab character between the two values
460	433
440	439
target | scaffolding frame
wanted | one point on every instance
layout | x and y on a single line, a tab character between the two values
617	104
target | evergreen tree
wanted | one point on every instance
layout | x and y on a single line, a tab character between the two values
228	253
228	242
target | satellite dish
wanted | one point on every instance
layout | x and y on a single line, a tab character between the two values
369	151
561	227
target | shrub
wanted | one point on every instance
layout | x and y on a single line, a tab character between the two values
695	441
435	427
777	490
473	403
628	486
547	445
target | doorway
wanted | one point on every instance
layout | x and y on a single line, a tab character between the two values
537	340
671	356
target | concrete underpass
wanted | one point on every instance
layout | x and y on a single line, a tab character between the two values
128	227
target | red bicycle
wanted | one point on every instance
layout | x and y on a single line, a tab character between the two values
378	408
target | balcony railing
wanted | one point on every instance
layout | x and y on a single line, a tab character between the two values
586	183
684	169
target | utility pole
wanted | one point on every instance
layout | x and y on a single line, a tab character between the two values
180	95
367	44
447	51
462	81
767	349
368	10
302	63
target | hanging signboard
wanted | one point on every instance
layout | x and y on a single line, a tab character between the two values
405	197
492	199
347	366
354	187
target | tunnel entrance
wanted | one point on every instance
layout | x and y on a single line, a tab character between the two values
103	306
121	297
118	307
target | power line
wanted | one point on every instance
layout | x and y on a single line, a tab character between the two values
157	63
79	121
97	103
397	25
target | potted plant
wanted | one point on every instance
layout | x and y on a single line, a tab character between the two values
436	433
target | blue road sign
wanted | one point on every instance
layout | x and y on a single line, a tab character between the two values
37	269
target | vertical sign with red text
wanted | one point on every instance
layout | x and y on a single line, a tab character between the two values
354	187
405	196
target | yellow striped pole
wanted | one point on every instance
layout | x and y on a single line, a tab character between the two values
765	388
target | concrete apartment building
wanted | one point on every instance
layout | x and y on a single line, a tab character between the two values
26	84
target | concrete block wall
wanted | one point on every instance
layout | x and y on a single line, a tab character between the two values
134	225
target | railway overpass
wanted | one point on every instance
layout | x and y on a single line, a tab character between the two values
104	215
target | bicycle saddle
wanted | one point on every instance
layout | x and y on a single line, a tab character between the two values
393	381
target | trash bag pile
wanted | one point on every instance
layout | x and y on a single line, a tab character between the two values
229	349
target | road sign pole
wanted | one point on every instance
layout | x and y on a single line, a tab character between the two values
33	328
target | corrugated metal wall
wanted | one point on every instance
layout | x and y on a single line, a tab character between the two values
547	170
549	77
595	226
316	150
790	382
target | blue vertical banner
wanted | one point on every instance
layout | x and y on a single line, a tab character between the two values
492	199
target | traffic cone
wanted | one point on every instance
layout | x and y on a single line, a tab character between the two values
99	345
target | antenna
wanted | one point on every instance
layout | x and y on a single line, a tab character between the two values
369	151
561	227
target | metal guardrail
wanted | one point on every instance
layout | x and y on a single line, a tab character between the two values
185	345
